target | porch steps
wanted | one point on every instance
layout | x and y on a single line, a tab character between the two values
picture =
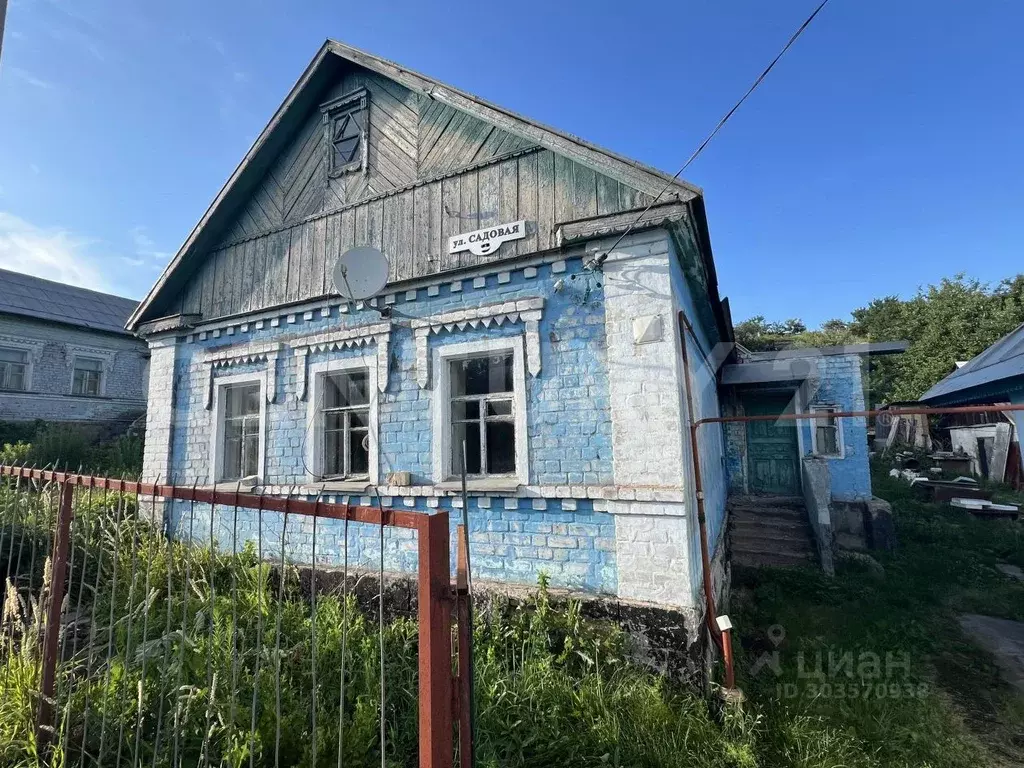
770	531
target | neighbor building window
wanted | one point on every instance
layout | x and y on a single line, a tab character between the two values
827	437
241	430
346	123
346	424
88	377
13	370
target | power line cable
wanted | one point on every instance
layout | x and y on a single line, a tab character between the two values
599	260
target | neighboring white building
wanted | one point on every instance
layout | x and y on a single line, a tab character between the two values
65	354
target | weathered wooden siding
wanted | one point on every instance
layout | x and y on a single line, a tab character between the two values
433	172
412	227
410	138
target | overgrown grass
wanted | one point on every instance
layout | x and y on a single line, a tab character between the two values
220	667
939	702
164	677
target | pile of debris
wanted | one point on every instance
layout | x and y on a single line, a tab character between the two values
962	492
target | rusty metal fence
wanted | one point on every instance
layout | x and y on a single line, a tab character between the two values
125	641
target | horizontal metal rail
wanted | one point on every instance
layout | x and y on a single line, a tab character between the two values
922	411
294	506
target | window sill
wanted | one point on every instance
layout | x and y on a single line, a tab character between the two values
496	484
342	486
245	485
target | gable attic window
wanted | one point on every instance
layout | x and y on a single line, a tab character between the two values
346	121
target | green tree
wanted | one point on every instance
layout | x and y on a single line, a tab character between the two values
945	323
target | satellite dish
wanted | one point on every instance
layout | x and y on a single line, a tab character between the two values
361	273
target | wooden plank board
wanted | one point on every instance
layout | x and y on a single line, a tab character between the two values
527	201
405	246
260	278
508	201
391	235
584	191
421	264
315	279
362	227
451	224
277	268
375	224
469	213
607	195
545	200
245	268
489	197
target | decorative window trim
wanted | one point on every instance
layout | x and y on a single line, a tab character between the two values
441	403
243	353
314	429
528	311
840	442
217	430
351	102
35	354
106	358
331	341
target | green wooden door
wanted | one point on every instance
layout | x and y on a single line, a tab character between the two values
772	459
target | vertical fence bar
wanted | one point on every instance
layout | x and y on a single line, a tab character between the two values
51	636
435	643
465	622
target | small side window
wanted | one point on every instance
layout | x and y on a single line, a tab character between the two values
828	437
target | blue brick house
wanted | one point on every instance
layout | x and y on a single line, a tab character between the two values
551	362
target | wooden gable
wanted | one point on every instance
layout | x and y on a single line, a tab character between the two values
438	164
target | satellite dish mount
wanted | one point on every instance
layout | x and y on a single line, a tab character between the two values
361	273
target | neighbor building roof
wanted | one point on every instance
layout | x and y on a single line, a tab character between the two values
1003	360
40	299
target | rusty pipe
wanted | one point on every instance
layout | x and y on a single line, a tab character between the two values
710	612
922	411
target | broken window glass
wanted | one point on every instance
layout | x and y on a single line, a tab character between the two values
483	415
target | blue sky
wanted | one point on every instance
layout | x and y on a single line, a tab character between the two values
883	152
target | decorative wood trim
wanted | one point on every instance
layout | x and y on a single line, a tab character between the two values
527	310
224	357
379	333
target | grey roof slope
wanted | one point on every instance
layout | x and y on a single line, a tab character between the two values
1003	360
40	299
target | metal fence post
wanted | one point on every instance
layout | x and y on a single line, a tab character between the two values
435	641
51	636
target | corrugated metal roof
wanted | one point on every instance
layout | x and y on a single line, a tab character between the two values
1003	360
46	300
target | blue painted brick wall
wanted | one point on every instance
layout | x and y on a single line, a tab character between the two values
569	423
569	430
574	548
841	385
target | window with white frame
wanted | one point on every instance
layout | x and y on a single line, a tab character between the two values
483	415
345	419
238	439
826	435
341	435
87	378
13	369
480	410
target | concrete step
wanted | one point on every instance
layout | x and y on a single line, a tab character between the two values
776	537
771	559
779	514
761	502
759	522
801	546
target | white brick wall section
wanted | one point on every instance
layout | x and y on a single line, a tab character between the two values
652	552
644	383
160	414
